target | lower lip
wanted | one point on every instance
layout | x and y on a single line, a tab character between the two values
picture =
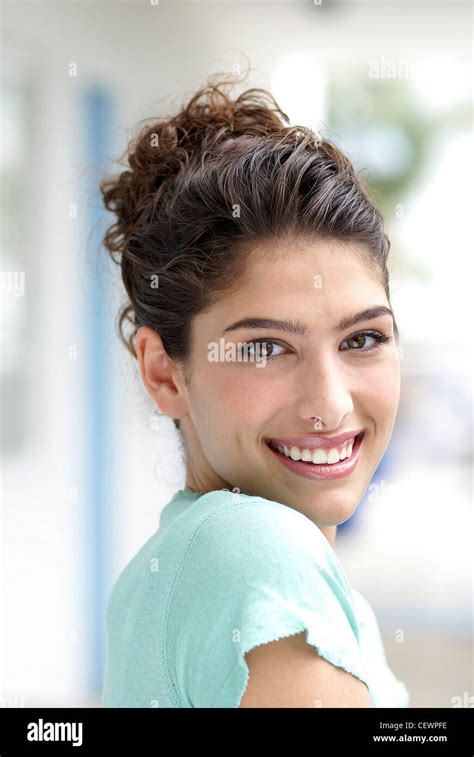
324	471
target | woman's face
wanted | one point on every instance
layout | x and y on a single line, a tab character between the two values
349	381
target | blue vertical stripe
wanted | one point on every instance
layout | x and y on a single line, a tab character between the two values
98	381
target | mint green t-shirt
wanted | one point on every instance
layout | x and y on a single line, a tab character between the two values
222	574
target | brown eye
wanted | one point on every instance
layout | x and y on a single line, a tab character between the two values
265	348
358	342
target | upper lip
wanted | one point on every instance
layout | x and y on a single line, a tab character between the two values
314	442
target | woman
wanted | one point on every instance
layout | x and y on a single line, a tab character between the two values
255	265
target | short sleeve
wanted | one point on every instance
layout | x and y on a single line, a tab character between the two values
255	572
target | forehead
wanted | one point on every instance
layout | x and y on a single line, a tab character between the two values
325	279
301	260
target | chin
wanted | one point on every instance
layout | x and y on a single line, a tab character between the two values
330	514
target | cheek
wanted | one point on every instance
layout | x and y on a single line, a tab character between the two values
232	402
235	390
380	389
223	399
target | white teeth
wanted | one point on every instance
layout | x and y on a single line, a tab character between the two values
334	455
319	456
295	454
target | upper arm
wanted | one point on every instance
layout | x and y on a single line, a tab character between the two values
290	673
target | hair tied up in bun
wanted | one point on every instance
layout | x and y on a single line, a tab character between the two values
204	185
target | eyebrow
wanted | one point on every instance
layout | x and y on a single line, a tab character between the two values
296	327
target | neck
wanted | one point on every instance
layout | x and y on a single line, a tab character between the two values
330	534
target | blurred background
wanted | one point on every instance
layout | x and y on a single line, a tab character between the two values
87	464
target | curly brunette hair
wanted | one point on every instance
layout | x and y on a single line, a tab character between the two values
203	187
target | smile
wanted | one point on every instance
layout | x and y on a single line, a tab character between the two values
319	462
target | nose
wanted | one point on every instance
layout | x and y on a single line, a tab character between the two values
323	391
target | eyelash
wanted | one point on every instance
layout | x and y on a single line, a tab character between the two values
379	338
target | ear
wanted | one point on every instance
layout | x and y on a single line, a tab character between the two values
160	375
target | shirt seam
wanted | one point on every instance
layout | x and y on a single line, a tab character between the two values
172	689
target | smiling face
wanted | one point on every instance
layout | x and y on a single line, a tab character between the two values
349	380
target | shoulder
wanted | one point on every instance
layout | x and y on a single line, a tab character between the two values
235	525
247	547
235	514
254	571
